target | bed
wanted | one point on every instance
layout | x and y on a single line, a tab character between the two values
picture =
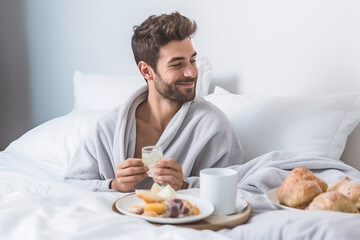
277	134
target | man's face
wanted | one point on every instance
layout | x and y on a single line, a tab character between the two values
177	71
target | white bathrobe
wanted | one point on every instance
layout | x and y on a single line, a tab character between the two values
198	136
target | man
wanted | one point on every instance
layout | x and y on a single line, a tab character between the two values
193	133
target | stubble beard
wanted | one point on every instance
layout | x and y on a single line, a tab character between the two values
172	91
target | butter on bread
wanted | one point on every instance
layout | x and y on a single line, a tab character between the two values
350	189
334	201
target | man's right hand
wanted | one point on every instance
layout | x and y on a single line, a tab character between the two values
127	174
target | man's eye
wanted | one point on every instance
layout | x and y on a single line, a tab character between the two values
176	65
193	61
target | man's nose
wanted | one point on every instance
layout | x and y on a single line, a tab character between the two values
190	71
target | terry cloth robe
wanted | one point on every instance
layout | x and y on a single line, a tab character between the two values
198	136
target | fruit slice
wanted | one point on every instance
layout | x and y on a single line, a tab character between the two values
148	197
167	192
155	188
159	208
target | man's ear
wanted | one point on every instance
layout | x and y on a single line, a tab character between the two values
146	71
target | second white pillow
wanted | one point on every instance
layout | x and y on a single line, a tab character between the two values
317	125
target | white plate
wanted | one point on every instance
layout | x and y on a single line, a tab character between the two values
206	209
241	204
272	196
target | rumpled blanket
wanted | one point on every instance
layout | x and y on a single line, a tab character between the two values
268	171
268	221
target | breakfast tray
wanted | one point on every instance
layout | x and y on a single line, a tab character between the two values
213	222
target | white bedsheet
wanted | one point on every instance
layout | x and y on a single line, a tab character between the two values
36	204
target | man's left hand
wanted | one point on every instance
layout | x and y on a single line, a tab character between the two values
169	172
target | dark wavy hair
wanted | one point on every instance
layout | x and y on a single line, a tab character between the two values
157	31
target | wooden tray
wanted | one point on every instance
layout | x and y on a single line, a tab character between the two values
213	222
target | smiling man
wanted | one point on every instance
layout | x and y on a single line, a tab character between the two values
192	132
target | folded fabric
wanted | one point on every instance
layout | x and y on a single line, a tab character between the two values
269	170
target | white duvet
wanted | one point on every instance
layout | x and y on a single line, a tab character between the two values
36	204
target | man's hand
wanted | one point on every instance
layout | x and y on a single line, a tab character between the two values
127	174
169	172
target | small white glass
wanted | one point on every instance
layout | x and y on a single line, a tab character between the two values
150	155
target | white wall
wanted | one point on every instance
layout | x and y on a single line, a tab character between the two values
306	47
87	35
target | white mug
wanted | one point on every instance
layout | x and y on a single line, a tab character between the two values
219	186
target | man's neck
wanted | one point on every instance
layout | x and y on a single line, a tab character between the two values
157	112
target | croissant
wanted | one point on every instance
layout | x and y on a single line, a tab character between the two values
334	201
300	195
295	177
350	189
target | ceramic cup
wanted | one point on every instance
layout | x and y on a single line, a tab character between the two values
219	186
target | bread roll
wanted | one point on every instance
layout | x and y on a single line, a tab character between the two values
301	194
350	189
334	201
298	175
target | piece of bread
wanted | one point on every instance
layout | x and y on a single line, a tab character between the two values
148	196
300	195
350	189
334	201
298	175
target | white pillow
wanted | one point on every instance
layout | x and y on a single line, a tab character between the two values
204	77
53	143
101	92
317	126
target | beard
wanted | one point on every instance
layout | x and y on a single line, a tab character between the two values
174	91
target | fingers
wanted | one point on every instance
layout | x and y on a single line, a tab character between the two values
131	171
130	162
168	167
169	172
175	183
169	163
129	167
128	173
